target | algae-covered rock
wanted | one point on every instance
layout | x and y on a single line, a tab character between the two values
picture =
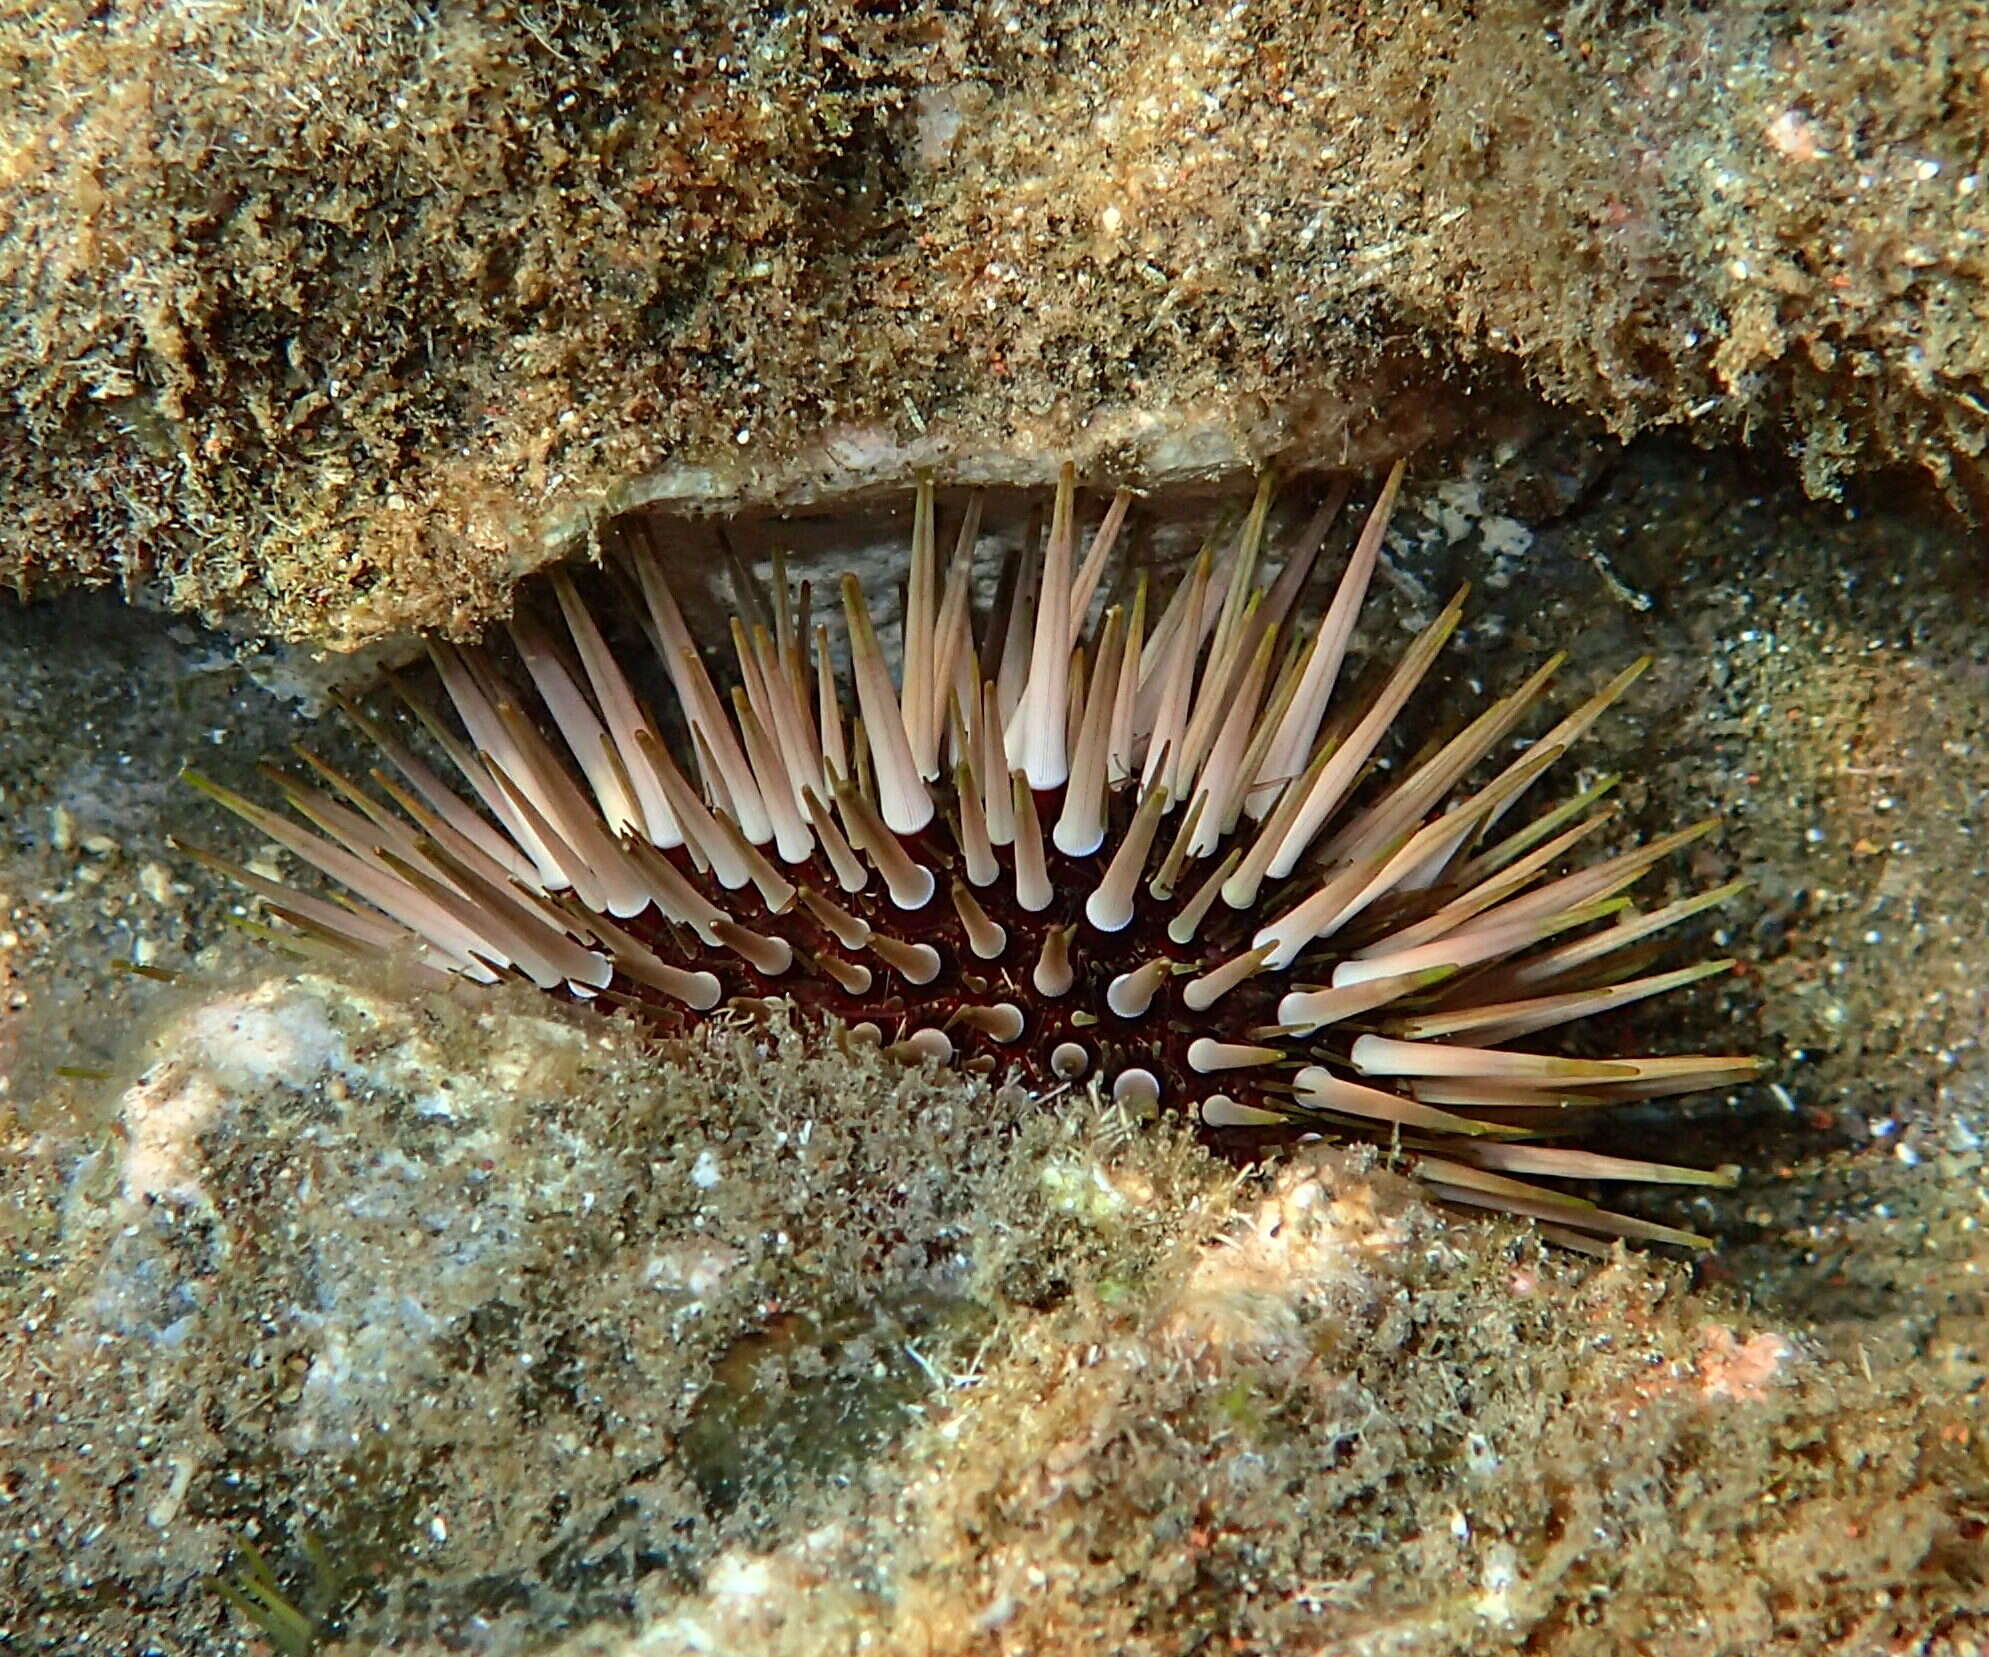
334	320
434	1323
458	1316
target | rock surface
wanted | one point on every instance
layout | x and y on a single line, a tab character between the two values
433	1324
335	342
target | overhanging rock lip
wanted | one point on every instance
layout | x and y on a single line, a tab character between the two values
1152	450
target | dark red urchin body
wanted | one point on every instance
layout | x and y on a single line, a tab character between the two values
1024	996
1141	855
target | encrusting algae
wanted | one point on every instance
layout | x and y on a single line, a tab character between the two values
1156	851
468	1309
322	321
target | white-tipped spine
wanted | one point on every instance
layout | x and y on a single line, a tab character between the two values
901	792
1036	735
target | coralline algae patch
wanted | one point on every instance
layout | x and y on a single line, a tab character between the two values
480	1324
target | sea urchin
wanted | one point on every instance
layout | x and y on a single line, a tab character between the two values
1153	853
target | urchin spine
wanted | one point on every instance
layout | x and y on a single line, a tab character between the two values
1145	850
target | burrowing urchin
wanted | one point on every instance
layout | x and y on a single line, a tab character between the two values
1151	853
